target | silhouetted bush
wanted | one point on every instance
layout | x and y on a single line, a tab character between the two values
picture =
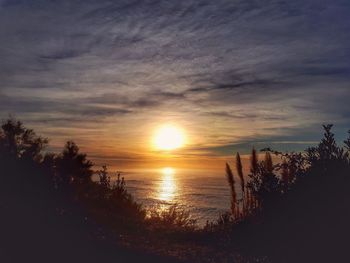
73	166
172	218
18	143
301	204
67	175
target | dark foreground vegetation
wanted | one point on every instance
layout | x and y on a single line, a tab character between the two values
296	210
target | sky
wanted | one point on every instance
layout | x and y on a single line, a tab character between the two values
231	74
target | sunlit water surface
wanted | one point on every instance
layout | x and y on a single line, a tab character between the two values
204	194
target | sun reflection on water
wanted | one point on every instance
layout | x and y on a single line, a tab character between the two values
167	186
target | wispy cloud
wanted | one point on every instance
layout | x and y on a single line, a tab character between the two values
228	71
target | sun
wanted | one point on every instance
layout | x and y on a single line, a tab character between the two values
168	137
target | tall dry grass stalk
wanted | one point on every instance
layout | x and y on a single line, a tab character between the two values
231	182
248	203
285	173
239	168
268	163
254	163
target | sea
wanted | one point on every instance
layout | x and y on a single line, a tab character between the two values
203	193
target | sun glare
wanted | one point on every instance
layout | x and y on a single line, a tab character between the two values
167	187
169	137
168	171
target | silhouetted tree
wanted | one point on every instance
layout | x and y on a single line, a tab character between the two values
327	155
20	143
73	166
105	179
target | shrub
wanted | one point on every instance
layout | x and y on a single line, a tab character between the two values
172	217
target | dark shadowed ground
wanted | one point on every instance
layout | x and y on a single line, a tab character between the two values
31	231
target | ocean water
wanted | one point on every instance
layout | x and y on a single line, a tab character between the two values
205	194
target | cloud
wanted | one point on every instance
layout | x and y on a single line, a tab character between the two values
227	70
